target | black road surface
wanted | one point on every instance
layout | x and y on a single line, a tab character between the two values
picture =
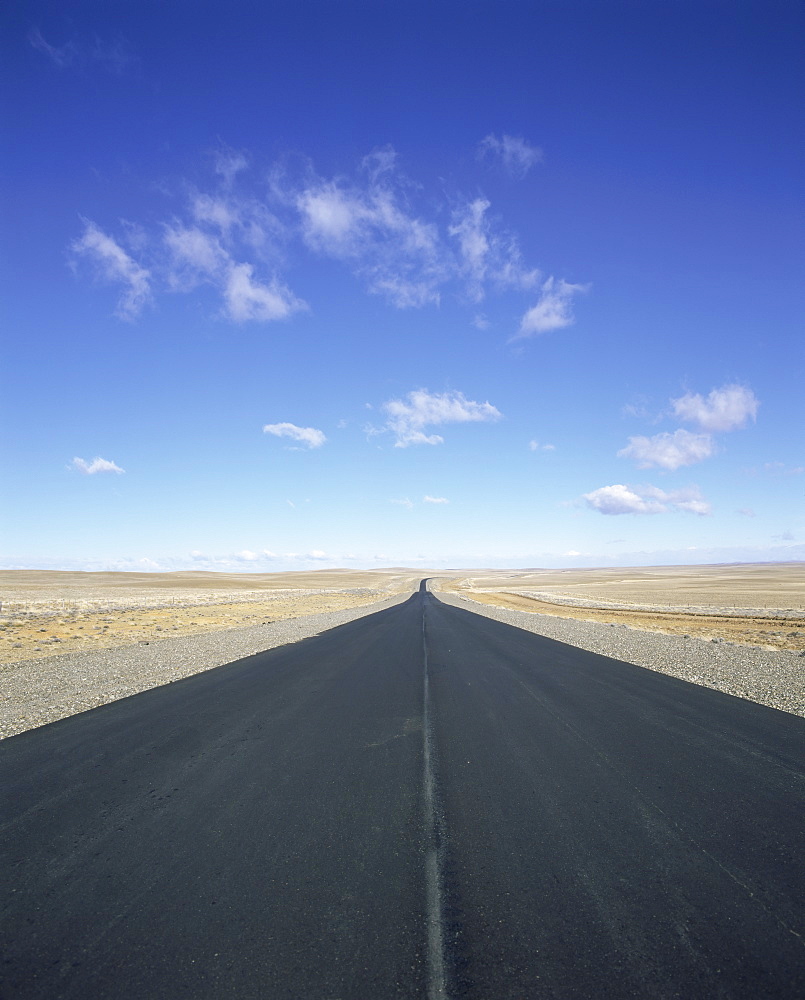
423	803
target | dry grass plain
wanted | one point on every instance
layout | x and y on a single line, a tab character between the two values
45	612
752	604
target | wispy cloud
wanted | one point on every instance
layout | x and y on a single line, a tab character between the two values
487	254
60	55
429	499
724	409
409	419
403	502
411	249
308	436
95	466
247	299
622	499
195	256
553	310
229	163
536	446
114	56
515	155
113	264
780	468
399	255
668	451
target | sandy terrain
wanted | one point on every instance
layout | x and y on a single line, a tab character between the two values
45	613
761	604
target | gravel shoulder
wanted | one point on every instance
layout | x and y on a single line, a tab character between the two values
768	677
42	690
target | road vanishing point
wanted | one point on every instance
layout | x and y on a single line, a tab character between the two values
422	803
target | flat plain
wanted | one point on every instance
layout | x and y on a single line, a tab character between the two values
44	613
47	612
751	604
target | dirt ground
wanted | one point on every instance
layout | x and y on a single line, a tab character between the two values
44	614
770	633
761	604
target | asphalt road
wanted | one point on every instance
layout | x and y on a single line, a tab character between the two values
423	803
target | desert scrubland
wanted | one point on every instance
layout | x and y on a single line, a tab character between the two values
44	613
751	604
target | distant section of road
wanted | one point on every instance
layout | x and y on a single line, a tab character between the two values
318	820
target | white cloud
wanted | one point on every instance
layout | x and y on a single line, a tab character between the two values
308	436
516	155
429	499
216	212
669	451
536	446
247	556
331	219
409	418
115	265
194	255
693	506
409	249
619	499
247	299
95	466
553	309
724	409
379	161
622	499
398	255
468	228
404	502
485	254
229	163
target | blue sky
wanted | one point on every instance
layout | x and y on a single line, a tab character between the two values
367	284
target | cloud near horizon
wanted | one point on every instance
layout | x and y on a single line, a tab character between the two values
622	499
